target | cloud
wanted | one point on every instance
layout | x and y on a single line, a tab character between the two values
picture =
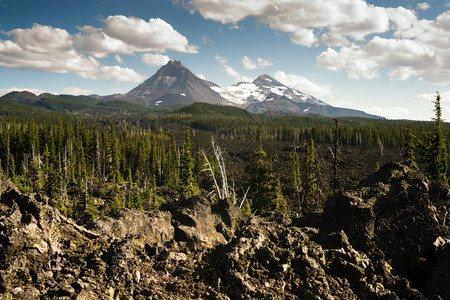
429	97
302	84
389	112
97	43
118	59
201	76
423	6
302	18
127	35
49	49
155	59
352	29
424	56
206	40
152	35
304	37
351	59
230	71
120	74
72	90
258	64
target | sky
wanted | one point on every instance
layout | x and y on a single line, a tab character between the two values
387	58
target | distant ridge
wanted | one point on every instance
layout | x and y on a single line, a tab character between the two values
27	101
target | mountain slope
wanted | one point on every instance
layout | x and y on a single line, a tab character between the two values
282	104
261	89
174	84
267	95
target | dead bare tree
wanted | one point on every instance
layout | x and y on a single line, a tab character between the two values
222	190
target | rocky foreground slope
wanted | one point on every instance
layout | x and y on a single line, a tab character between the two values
388	239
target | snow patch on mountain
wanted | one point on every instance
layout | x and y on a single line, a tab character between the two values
169	80
241	93
246	93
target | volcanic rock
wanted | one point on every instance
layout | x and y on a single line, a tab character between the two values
387	239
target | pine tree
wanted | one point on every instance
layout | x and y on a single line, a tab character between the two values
130	192
116	204
409	146
436	149
295	181
265	189
91	211
189	187
12	169
172	160
312	199
294	172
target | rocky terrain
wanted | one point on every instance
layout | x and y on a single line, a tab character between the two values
389	238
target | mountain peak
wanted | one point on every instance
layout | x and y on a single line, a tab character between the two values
175	84
266	80
176	64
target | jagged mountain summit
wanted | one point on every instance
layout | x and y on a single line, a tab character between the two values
263	88
174	84
267	95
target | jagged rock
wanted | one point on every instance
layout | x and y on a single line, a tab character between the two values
152	227
203	221
388	239
392	216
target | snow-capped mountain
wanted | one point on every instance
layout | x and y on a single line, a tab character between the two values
174	84
267	95
263	88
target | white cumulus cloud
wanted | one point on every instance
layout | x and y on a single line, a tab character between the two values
152	35
258	64
230	71
423	6
49	49
155	59
73	90
117	73
302	84
409	47
118	59
353	18
389	112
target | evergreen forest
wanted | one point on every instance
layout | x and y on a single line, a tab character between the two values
92	162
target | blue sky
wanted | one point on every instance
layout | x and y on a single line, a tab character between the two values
384	57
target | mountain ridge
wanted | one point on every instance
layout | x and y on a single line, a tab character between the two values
174	85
